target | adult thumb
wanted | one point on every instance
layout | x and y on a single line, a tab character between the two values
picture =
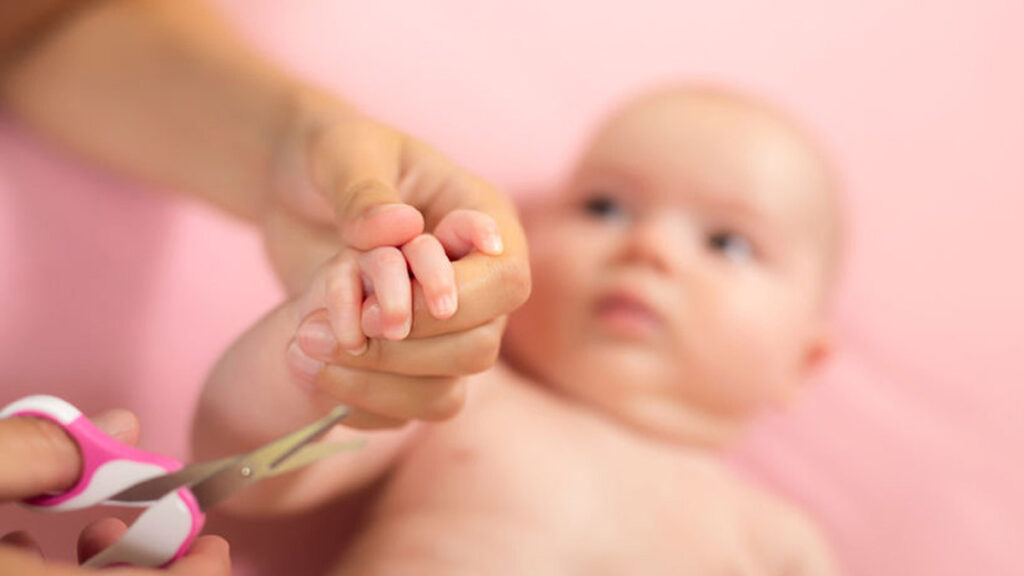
36	456
370	215
358	170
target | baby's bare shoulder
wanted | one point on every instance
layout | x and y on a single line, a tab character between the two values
786	536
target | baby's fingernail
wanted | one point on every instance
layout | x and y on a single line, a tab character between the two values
306	369
316	338
371	323
493	244
358	351
446	306
400	332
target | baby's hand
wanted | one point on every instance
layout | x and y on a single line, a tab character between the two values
429	258
360	297
369	294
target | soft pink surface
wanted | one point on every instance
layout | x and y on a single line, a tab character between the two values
906	450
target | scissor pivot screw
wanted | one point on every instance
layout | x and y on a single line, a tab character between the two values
246	471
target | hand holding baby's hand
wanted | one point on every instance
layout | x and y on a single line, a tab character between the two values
342	180
359	308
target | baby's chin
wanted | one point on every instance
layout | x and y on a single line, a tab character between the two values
614	373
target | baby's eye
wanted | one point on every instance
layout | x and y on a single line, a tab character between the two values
734	247
604	207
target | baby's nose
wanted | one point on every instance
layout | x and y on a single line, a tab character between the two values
663	241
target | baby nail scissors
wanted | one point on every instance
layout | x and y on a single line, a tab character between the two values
175	497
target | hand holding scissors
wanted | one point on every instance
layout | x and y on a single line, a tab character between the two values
175	497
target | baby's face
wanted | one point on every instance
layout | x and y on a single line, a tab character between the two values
678	282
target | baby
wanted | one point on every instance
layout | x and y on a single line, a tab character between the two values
679	288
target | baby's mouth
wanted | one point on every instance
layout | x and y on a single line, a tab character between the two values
627	315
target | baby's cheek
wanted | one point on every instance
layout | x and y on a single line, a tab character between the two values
751	351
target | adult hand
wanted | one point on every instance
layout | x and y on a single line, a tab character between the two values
36	456
342	179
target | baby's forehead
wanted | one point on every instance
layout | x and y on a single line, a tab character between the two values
693	141
721	145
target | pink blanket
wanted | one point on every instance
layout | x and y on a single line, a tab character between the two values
906	447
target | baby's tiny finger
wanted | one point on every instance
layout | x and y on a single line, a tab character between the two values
388	273
435	274
462	230
344	291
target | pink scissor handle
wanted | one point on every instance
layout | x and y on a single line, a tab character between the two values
108	466
161	535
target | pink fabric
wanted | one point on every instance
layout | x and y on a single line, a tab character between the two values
905	450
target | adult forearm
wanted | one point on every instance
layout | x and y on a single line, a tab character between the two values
160	89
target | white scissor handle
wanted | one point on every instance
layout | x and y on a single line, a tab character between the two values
162	534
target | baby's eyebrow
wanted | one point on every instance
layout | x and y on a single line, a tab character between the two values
725	201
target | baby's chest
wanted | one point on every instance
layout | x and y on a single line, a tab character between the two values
511	459
547	483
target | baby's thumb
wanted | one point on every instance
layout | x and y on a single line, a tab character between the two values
121	425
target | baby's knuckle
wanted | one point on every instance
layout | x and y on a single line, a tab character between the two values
388	257
339	293
420	243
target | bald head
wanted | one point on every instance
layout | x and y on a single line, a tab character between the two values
734	143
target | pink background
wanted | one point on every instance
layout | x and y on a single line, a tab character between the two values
906	450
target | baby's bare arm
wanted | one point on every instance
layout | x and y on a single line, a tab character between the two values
280	374
790	543
251	397
811	553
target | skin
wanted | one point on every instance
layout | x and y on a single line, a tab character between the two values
681	283
167	92
684	271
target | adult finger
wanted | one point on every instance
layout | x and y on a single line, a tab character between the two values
210	556
392	396
23	541
457	354
489	287
99	535
36	455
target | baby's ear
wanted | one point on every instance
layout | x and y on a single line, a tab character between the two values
820	346
817	350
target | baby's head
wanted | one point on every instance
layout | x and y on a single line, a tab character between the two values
680	279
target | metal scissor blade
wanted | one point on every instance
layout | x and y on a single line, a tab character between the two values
313	452
155	488
261	462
